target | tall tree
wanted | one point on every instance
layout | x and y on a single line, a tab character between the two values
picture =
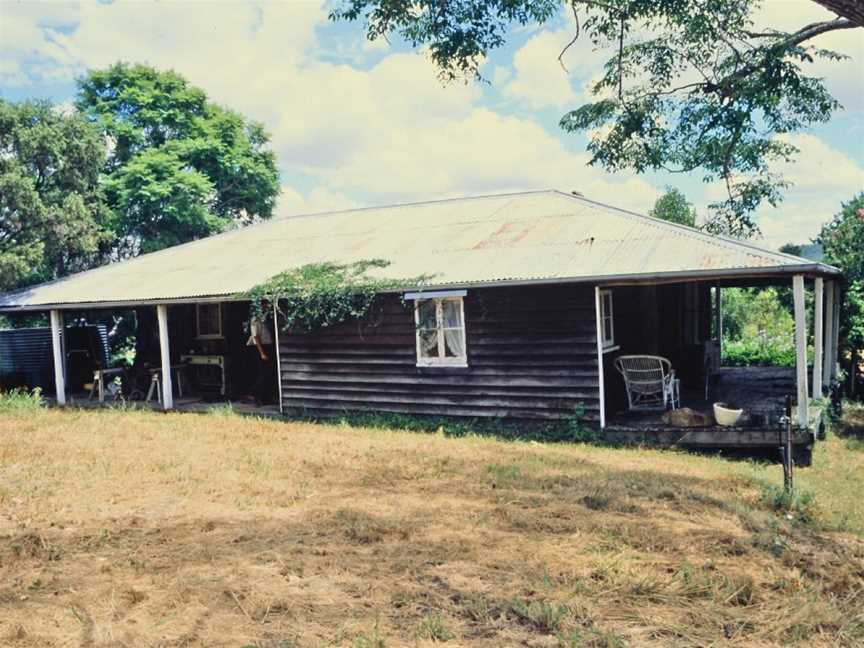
843	238
179	166
689	85
673	206
52	212
843	241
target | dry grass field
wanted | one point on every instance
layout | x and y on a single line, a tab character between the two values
122	528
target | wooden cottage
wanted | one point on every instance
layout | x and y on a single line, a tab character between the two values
532	297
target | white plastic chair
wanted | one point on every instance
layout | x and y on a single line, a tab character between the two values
650	381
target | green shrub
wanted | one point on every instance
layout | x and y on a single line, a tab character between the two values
758	327
542	615
222	410
433	627
16	401
572	428
759	352
799	501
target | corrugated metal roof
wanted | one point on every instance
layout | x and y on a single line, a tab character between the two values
532	236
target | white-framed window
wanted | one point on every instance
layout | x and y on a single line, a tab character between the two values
209	321
440	324
607	323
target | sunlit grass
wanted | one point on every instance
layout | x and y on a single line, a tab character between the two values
142	528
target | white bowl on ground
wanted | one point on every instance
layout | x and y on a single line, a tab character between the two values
725	415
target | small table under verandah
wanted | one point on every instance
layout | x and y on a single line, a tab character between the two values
99	376
156	382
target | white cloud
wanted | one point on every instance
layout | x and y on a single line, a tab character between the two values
392	132
822	178
820	168
845	79
538	79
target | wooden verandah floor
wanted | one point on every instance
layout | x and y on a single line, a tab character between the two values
759	390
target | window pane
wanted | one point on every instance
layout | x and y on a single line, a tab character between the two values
208	319
426	316
454	343
607	329
452	313
428	343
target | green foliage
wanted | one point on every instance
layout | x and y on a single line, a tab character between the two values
758	328
843	238
541	615
433	627
798	501
179	167
222	410
791	248
318	295
854	311
689	85
21	401
458	34
571	429
52	212
762	352
674	207
843	242
372	639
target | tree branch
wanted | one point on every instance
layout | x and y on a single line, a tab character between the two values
852	10
791	40
815	29
572	40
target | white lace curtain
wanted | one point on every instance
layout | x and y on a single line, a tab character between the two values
454	329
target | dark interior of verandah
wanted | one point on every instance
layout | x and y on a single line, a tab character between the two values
681	322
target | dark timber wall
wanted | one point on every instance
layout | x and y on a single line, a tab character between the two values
531	354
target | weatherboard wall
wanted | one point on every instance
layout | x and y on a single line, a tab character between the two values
532	353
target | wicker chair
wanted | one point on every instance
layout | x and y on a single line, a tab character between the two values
650	382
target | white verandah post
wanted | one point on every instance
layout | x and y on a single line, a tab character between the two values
835	333
167	388
800	349
830	359
818	336
602	386
278	354
57	347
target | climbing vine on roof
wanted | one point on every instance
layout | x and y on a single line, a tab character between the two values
318	295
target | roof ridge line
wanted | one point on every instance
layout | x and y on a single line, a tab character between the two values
413	203
714	239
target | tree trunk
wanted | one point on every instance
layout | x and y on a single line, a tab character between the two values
850	9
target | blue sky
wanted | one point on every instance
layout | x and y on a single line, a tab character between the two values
358	123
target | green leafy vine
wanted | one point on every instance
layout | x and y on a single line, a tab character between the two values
318	295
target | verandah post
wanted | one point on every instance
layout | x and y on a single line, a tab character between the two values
277	352
718	314
818	336
601	386
800	349
167	388
830	358
57	347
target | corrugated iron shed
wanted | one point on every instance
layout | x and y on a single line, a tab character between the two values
541	236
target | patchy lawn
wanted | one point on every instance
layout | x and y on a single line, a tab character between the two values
136	528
